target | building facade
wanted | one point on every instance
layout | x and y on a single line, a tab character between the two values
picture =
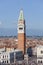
40	54
11	57
6	57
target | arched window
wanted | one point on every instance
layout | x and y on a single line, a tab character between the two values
7	61
3	56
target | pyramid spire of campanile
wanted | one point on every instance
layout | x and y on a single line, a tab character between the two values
21	16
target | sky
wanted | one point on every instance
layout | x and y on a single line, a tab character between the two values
33	13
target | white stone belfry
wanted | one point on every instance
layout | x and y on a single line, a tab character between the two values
21	22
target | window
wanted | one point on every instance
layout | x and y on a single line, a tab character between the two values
39	61
7	61
41	51
3	56
7	56
20	28
3	61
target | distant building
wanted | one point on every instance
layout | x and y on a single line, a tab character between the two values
19	55
10	57
40	54
6	57
2	49
9	49
21	32
34	50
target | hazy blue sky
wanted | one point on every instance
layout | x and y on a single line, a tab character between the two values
33	13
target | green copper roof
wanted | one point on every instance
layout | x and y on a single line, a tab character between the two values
21	16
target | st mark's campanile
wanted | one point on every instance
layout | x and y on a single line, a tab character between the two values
21	32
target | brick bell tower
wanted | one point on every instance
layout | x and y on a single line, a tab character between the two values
21	32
